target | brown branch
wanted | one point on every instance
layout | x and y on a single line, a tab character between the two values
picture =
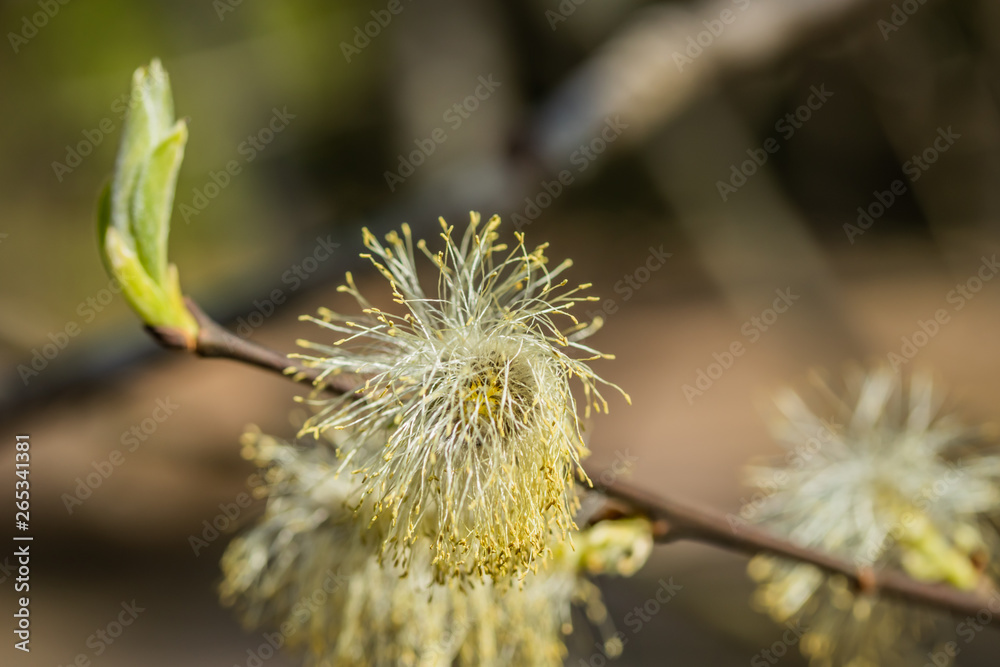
215	341
677	520
672	519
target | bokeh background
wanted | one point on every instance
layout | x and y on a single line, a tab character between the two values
648	111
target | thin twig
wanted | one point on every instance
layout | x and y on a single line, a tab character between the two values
215	341
678	520
672	519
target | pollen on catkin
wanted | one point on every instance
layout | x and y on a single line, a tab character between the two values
308	573
884	477
468	391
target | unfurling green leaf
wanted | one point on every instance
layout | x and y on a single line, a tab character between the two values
134	212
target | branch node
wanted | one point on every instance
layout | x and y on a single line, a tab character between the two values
867	581
172	338
663	531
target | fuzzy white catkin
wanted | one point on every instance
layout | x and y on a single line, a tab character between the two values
468	391
883	477
309	571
